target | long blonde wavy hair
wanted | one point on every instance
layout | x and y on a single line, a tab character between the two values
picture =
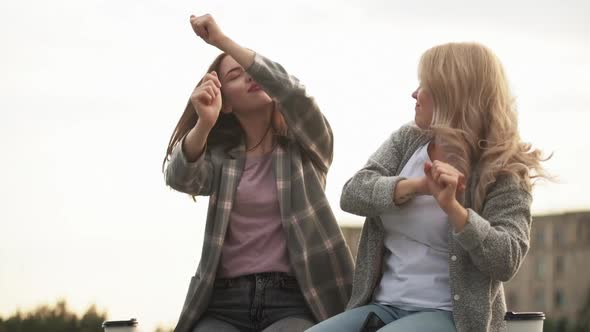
475	117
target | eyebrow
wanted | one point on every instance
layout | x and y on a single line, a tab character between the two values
233	69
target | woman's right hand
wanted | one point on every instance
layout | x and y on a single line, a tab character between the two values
206	99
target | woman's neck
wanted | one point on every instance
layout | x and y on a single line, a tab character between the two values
258	131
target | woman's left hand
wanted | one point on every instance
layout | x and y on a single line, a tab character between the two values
445	183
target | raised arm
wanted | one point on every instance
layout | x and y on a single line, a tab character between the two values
305	121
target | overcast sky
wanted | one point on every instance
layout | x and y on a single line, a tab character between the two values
91	90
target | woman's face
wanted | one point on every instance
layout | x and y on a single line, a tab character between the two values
424	108
239	91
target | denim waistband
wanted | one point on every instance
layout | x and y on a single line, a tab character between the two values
268	279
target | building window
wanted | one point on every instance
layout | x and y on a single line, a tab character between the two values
539	299
558	299
558	237
540	269
559	266
539	237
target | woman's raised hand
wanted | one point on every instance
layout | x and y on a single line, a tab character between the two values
206	99
206	28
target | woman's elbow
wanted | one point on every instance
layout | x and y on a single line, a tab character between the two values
173	183
505	274
354	205
510	266
345	204
347	198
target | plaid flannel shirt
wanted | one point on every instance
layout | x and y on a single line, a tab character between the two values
318	253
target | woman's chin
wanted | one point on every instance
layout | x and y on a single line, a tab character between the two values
258	106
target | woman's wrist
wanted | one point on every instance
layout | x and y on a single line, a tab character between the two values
242	55
195	141
224	44
405	190
203	127
414	186
458	215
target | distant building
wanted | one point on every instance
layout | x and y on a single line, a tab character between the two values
555	276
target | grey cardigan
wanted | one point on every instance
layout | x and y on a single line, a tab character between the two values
488	251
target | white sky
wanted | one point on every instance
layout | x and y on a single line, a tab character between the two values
90	92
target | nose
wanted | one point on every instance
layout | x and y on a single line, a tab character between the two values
415	94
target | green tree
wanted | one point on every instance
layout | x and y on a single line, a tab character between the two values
54	319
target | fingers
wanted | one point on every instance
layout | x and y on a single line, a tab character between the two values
211	85
201	19
200	31
427	168
461	187
436	171
206	93
446	180
439	168
200	25
212	76
444	166
210	91
204	97
443	174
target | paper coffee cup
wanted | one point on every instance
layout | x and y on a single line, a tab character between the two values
524	321
120	325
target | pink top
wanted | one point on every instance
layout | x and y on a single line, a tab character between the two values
255	241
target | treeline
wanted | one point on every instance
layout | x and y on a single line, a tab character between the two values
57	318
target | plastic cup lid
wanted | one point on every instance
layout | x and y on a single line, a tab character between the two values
510	315
120	323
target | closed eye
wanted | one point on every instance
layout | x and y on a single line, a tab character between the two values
233	73
233	76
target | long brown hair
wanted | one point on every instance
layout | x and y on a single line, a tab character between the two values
475	117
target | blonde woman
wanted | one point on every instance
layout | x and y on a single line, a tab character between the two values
253	140
447	200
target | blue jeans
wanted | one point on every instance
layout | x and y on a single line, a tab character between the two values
268	302
384	318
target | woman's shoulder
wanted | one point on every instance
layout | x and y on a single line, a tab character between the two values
409	136
508	182
507	189
410	130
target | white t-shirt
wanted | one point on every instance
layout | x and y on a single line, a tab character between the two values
415	265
